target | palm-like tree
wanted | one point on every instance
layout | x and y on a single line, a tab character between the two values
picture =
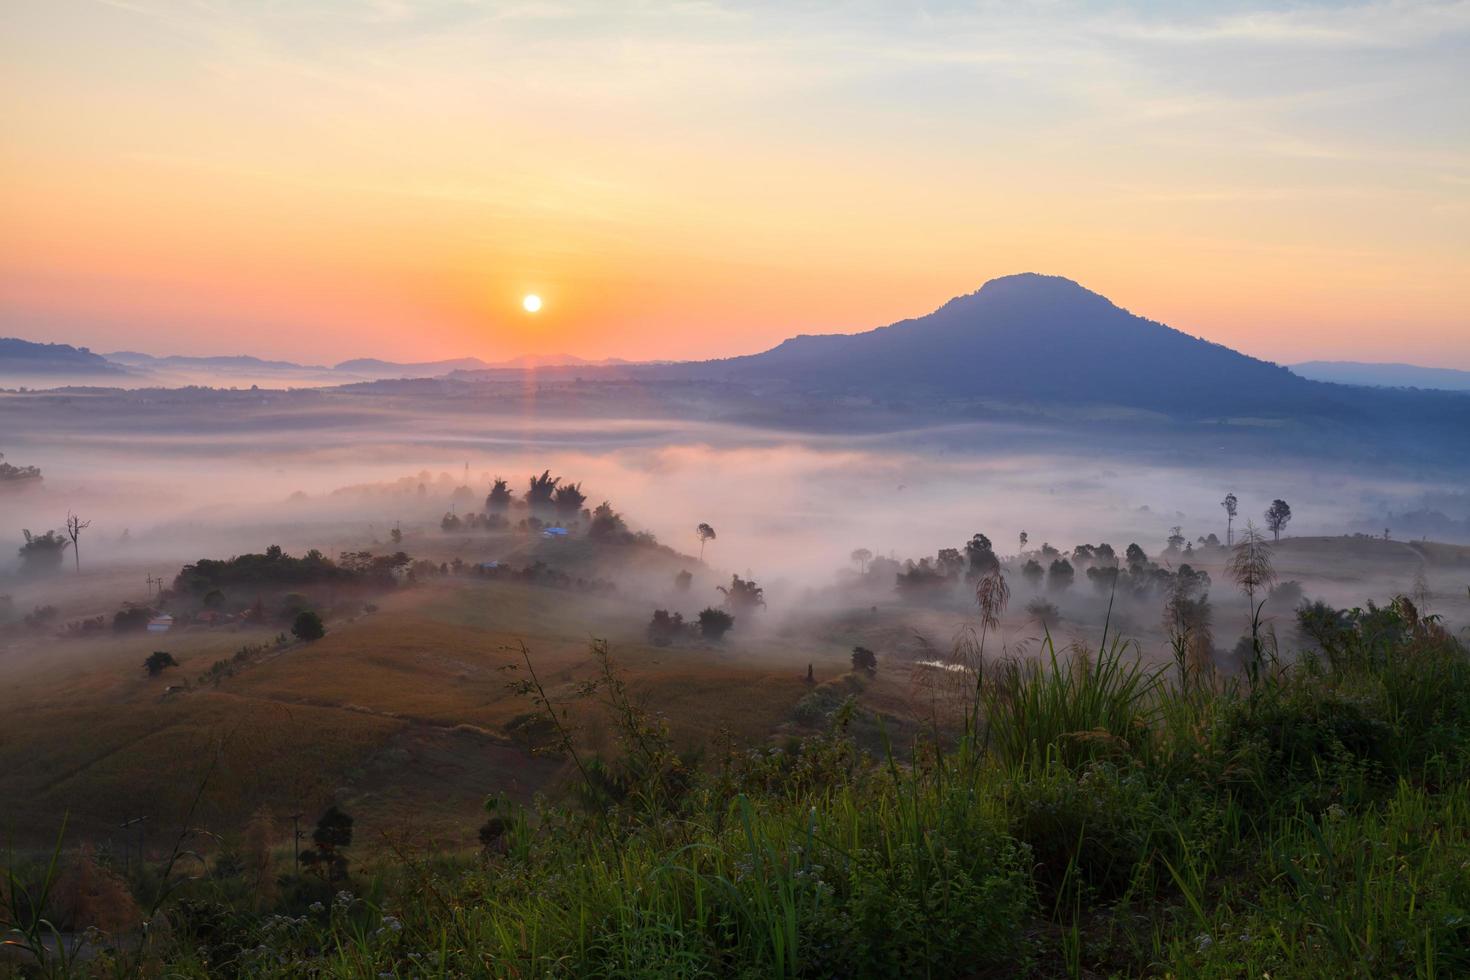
706	533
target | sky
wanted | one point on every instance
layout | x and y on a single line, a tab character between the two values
325	179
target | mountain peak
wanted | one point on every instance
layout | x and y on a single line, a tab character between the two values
1031	290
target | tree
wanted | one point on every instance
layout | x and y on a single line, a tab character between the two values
1059	576
1277	516
18	476
706	533
981	555
743	595
715	623
1176	540
569	499
308	626
1024	538
42	553
1231	504
333	833
500	496
683	580
1033	573
130	618
1135	556
158	661
862	556
540	490
606	522
864	661
396	535
74	528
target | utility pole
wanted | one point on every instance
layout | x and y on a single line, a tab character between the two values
296	843
138	843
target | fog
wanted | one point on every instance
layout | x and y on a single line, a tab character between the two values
788	508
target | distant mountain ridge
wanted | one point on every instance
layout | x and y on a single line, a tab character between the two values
28	356
1384	375
1036	339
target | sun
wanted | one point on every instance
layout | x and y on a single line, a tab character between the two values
531	303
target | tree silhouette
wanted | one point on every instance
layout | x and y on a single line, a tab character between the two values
715	623
1277	516
862	556
158	661
1059	576
333	833
42	553
500	496
743	595
539	491
569	499
74	528
864	661
1230	503
1024	538
706	533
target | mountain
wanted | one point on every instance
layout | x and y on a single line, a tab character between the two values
236	362
372	367
1038	339
1384	375
20	357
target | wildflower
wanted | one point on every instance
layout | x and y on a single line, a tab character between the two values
316	907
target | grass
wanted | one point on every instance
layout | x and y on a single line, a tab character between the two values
1101	821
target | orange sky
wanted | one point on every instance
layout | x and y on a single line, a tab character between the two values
324	180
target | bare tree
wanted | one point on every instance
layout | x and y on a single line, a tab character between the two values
706	533
1231	505
862	556
74	528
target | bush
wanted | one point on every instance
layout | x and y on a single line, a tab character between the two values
308	627
715	623
158	661
131	618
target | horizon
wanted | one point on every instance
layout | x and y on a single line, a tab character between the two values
682	182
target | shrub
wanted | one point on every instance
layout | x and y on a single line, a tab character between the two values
715	623
158	661
308	627
131	618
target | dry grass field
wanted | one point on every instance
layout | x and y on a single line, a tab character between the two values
405	715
